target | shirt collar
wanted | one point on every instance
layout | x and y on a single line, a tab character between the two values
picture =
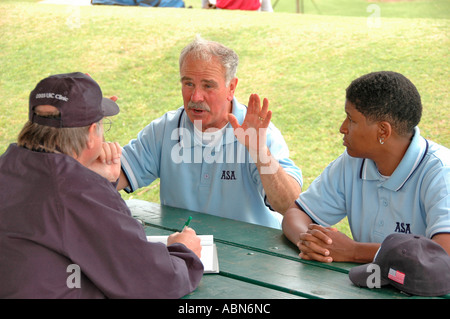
237	109
410	162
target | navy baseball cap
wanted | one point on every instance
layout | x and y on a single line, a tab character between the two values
411	263
76	95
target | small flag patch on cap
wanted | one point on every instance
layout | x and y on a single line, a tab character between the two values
396	276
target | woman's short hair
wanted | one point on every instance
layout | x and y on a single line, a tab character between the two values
387	96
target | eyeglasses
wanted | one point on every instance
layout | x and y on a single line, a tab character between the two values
106	124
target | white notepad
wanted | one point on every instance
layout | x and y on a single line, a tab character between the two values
209	251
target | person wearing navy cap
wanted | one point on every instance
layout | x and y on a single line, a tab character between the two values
389	180
65	231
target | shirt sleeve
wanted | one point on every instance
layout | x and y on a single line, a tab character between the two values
141	157
112	250
279	149
435	193
324	200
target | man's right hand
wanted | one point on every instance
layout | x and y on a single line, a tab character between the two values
108	162
187	237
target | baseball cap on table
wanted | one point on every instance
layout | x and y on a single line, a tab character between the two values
411	263
76	95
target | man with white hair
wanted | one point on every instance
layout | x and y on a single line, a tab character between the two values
213	154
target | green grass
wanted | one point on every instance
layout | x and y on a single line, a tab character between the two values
302	63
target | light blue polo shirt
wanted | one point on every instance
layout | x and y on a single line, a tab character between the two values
414	199
221	180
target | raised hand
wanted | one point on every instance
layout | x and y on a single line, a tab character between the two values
252	132
108	163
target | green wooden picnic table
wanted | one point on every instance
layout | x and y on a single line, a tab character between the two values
257	262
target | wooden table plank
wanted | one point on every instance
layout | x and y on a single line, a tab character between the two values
222	287
258	259
275	277
294	277
259	238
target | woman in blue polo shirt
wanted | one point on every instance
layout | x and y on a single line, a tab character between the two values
389	179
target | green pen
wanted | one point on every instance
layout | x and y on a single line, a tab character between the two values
186	224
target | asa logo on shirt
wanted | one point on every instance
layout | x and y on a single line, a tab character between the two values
403	228
228	175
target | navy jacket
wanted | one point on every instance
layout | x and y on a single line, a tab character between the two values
57	215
